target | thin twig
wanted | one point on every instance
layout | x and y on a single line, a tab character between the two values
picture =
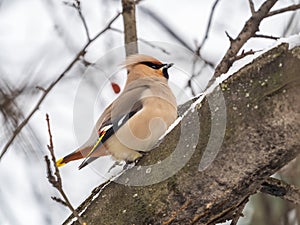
77	6
248	31
55	179
251	4
283	10
78	56
265	36
195	74
198	50
40	88
212	11
59	200
229	37
243	55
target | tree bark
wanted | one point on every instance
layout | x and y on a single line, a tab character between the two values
129	22
262	135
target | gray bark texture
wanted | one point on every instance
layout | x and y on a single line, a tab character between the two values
129	22
262	135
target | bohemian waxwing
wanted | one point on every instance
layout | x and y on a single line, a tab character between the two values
135	120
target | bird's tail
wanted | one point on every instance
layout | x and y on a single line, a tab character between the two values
71	157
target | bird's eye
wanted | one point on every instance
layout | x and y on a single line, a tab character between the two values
153	65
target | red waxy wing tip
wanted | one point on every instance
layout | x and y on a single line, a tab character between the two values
115	87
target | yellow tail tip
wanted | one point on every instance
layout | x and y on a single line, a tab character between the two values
60	163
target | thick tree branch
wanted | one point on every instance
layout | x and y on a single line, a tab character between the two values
261	137
281	189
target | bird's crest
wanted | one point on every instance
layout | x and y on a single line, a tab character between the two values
137	58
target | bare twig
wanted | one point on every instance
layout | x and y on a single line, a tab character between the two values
229	37
248	31
283	10
251	4
78	56
281	189
212	11
40	88
55	179
189	85
77	5
78	8
129	23
198	51
59	200
265	36
244	54
195	74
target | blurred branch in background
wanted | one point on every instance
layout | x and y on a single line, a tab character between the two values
212	12
8	106
12	113
79	56
194	74
167	27
179	38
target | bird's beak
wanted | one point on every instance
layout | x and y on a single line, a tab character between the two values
167	66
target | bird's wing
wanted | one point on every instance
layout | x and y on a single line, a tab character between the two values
115	116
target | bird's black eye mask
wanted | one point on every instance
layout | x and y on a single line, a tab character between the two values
158	66
153	65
